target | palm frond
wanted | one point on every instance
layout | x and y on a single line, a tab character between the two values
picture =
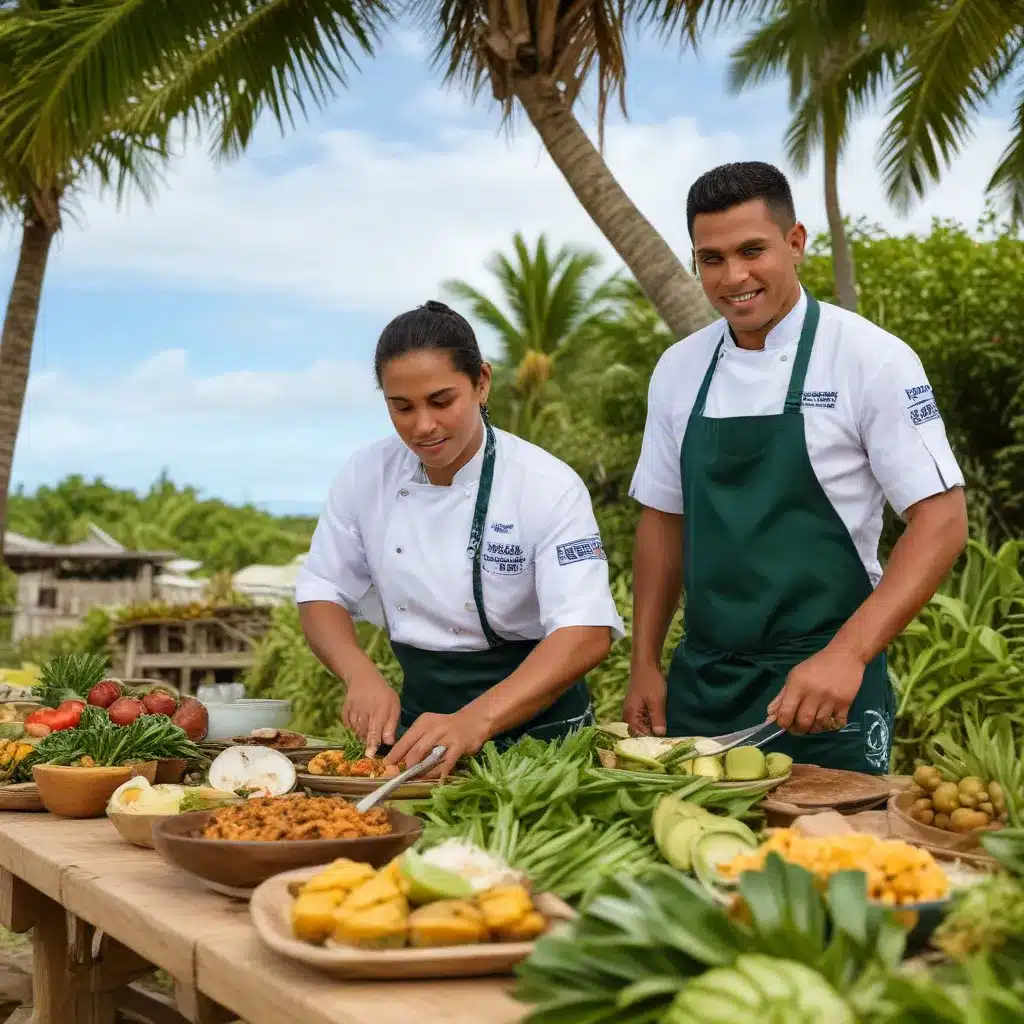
1007	181
171	58
805	132
951	62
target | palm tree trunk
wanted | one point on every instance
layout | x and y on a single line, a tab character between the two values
16	342
675	294
843	270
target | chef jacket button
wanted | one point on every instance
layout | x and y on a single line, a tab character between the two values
399	550
404	493
468	606
785	358
455	629
403	607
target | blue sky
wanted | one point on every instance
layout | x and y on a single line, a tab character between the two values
225	331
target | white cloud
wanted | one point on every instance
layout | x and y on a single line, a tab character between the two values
409	42
376	225
275	432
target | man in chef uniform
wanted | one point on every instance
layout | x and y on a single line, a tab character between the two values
774	438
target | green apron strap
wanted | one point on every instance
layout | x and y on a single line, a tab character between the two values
795	395
476	533
705	384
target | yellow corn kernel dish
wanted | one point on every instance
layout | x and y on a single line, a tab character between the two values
897	873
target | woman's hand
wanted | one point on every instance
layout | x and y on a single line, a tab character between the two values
462	733
371	710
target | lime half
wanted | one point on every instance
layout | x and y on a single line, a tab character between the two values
428	883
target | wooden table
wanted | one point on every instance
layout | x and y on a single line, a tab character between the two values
104	912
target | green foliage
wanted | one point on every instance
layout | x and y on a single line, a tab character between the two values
166	517
954	298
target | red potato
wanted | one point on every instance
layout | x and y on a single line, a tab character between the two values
125	710
193	718
159	702
105	692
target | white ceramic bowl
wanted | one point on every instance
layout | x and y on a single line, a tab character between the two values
238	717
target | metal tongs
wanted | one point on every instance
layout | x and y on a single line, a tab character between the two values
744	737
432	760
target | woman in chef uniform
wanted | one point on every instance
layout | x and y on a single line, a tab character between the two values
478	552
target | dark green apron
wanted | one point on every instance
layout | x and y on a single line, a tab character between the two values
770	574
444	682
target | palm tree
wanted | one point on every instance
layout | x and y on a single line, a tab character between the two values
958	55
833	72
91	89
537	56
552	304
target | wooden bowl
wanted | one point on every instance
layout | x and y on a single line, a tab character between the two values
171	770
903	826
136	828
84	792
245	864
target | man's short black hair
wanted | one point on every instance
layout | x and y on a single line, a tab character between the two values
729	185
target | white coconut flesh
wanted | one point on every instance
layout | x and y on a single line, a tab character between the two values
706	747
260	771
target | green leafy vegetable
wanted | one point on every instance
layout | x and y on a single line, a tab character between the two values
148	738
69	677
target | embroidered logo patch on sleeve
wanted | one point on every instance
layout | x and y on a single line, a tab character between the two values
921	405
581	551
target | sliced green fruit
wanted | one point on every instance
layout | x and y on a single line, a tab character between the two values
778	764
428	882
745	764
709	767
640	753
677	848
714	848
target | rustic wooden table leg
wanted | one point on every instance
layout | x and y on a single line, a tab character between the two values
52	985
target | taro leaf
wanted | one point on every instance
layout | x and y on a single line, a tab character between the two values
787	914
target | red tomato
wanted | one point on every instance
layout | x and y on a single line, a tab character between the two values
74	708
60	720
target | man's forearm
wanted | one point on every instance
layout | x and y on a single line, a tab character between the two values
657	582
331	635
935	536
551	668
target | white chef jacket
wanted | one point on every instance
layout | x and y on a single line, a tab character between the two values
392	548
873	429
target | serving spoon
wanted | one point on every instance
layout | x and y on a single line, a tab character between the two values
432	760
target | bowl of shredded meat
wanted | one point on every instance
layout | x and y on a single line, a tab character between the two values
268	835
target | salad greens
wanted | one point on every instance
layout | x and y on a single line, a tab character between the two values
97	742
548	809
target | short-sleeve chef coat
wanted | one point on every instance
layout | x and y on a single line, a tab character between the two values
873	429
392	548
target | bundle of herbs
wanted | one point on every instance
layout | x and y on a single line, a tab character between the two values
549	810
98	742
